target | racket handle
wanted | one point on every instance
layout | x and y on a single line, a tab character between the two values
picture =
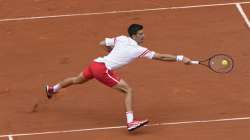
194	62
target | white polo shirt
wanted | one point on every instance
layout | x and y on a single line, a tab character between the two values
124	51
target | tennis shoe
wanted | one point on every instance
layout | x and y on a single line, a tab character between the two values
49	91
136	124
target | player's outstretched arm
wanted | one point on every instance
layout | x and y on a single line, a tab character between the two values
106	48
170	57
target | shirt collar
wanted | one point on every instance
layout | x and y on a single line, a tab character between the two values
133	41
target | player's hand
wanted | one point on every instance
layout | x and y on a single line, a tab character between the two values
186	60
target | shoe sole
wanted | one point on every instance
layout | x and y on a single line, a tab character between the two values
47	93
142	124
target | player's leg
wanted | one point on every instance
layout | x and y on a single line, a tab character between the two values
111	79
79	79
123	87
83	77
127	90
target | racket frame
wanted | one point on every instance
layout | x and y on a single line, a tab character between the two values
207	64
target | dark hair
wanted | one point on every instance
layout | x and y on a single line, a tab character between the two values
134	28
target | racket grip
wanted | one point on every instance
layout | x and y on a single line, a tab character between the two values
194	62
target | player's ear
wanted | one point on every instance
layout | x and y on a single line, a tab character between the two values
133	36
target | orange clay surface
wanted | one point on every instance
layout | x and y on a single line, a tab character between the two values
44	51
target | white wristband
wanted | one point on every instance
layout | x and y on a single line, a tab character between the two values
179	58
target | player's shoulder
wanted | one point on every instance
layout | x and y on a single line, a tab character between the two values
122	37
141	48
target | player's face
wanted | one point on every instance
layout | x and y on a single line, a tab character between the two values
139	37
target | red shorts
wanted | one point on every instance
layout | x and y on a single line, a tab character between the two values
100	72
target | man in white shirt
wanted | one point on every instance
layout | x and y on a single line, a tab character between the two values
123	50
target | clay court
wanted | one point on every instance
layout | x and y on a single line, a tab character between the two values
43	42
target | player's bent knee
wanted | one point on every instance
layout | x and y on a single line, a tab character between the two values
124	87
129	90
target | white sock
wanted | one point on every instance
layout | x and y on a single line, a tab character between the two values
130	116
56	87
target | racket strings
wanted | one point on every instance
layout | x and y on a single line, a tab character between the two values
221	63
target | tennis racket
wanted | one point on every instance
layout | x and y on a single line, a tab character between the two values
219	63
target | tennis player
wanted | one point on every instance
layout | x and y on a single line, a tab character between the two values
122	50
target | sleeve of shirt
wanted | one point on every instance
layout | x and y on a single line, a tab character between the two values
110	41
146	53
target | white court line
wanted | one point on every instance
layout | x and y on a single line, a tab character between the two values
119	127
238	5
118	12
243	14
